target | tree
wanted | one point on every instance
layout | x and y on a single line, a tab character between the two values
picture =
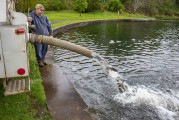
115	5
80	5
137	4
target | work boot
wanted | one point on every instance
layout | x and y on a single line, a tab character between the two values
41	64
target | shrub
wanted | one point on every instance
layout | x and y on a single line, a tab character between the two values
80	5
53	5
151	7
104	6
115	5
94	5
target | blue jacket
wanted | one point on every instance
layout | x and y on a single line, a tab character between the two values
42	24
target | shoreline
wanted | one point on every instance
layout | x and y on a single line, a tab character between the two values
67	27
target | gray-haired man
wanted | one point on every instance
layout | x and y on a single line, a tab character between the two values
42	27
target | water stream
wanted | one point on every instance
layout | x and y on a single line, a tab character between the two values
112	72
143	55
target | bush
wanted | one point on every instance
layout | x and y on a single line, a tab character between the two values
115	5
80	5
50	5
166	7
104	7
152	7
53	5
126	2
94	5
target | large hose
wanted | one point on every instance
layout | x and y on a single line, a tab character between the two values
72	47
60	43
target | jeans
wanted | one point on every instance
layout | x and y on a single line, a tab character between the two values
41	50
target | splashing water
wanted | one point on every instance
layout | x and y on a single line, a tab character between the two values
112	72
166	105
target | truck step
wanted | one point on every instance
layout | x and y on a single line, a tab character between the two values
17	86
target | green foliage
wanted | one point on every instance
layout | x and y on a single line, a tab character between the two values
104	7
160	7
54	5
150	7
177	2
147	7
94	5
80	5
23	5
50	5
115	5
126	2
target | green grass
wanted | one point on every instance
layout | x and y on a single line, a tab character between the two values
26	106
62	18
165	17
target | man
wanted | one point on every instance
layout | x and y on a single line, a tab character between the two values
42	27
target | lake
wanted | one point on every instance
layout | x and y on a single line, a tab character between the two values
145	54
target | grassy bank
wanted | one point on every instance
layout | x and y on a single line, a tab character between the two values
62	18
26	106
164	17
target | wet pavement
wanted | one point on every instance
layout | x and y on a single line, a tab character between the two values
63	101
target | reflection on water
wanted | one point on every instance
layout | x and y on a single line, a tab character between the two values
146	54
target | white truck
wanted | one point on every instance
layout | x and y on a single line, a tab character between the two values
14	66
